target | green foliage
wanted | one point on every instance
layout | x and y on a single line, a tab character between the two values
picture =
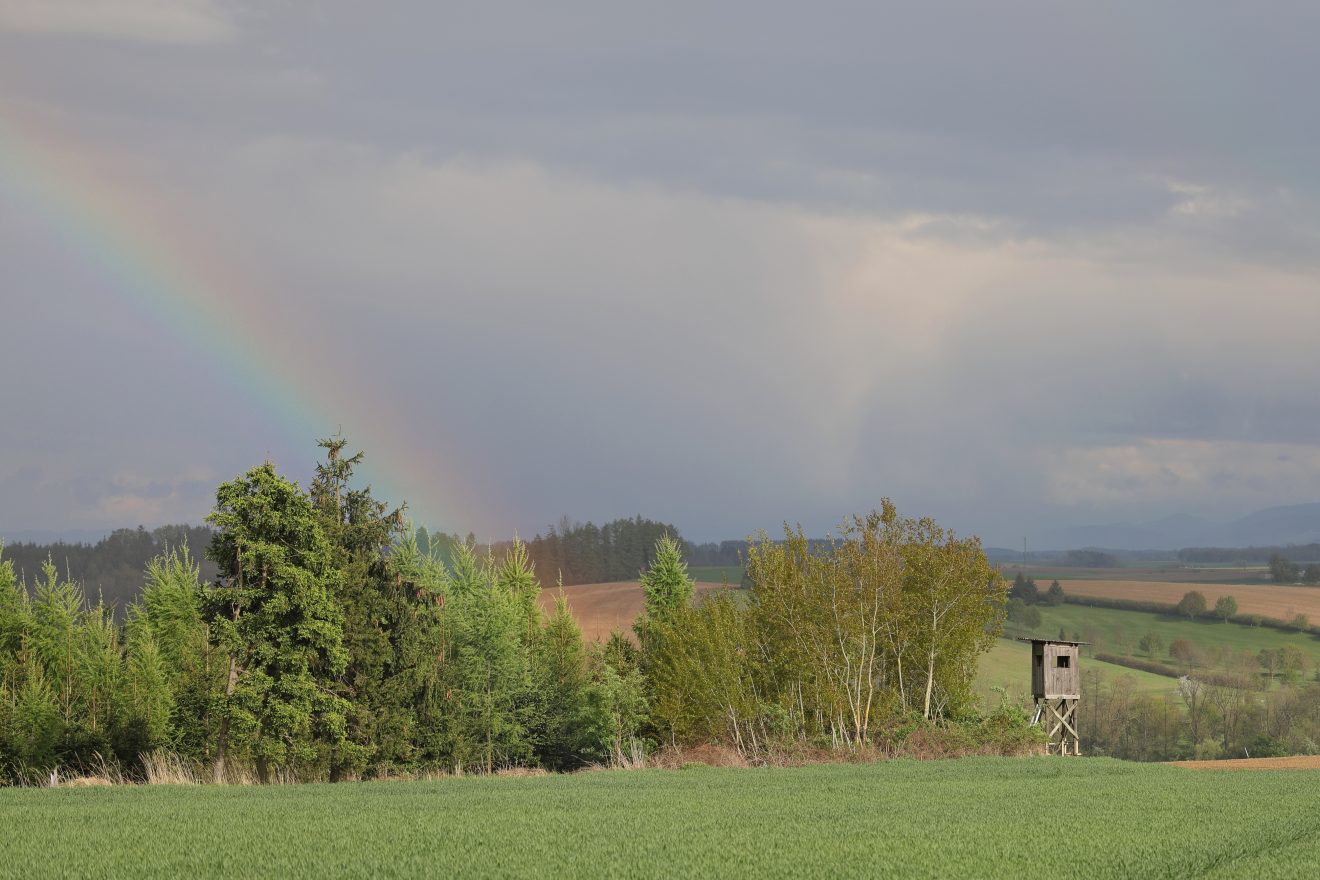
172	660
337	642
1151	645
703	671
1024	589
1226	608
585	710
1192	604
886	620
487	673
666	582
1054	595
516	575
111	568
390	592
273	613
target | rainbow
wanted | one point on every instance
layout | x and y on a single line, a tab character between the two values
168	270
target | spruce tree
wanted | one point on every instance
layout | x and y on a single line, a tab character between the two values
561	684
666	582
273	613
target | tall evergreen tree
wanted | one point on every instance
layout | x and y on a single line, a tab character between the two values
667	584
167	621
273	613
388	619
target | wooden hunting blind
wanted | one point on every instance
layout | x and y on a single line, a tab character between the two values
1056	685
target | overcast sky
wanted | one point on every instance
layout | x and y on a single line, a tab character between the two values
1016	265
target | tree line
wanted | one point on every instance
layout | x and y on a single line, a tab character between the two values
112	567
1245	555
334	644
1284	571
1237	714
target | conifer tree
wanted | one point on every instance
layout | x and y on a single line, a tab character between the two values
167	621
488	674
666	582
561	685
273	613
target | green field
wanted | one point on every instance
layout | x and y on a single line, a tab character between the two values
984	817
1117	631
1008	665
717	574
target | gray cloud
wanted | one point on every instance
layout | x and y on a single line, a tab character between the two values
150	21
1011	266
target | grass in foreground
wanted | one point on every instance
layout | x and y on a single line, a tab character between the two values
980	817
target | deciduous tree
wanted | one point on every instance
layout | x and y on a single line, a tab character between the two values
1192	604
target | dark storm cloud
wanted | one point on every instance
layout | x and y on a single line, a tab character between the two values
721	264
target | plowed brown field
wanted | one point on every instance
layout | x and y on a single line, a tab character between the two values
1299	762
1283	603
602	608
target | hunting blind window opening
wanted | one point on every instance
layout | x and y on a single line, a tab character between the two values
1061	661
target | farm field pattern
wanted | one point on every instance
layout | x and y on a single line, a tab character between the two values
602	608
979	817
1266	600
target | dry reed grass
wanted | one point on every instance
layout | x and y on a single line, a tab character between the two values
167	768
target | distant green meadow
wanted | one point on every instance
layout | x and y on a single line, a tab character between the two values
1118	631
980	817
717	574
1006	667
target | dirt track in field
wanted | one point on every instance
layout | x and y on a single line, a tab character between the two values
602	608
1283	603
1299	762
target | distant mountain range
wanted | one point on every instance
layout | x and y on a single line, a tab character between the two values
1274	526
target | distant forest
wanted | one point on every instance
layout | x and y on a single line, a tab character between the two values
1238	555
112	567
583	553
580	553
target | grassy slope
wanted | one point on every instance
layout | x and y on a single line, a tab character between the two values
1103	625
1008	665
717	574
974	817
